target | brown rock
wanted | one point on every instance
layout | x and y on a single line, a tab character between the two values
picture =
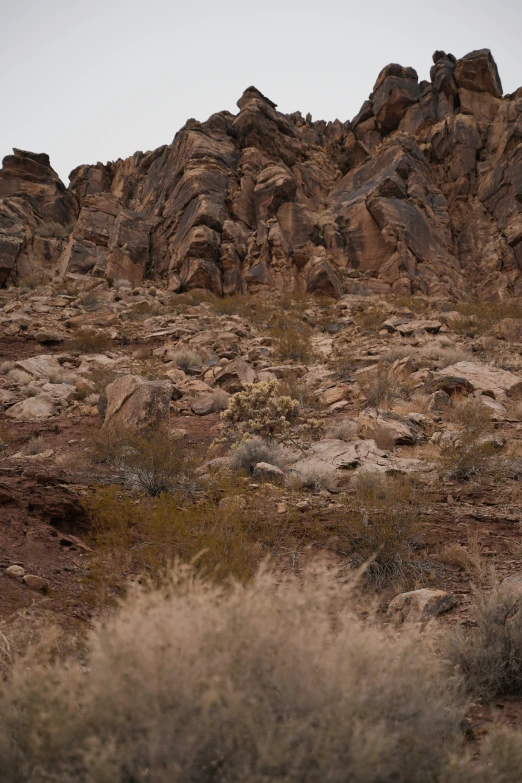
134	403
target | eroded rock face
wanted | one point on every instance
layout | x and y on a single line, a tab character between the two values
421	191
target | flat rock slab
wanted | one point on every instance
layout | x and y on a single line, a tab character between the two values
32	408
40	366
339	456
491	381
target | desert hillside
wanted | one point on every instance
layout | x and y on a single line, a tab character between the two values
260	472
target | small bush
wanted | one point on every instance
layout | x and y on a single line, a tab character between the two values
292	341
292	386
6	367
344	430
386	525
489	656
383	387
344	366
315	477
90	341
153	462
54	230
258	410
247	454
19	377
371	319
34	446
269	682
33	281
187	360
474	449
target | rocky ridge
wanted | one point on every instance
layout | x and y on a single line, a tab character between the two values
420	192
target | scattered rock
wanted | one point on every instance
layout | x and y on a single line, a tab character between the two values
263	471
15	571
36	582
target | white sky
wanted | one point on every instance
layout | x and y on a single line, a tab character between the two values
89	80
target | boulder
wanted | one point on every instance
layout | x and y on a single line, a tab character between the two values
348	457
388	428
138	404
32	408
266	472
420	605
234	376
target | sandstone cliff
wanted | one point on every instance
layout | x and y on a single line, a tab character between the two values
421	191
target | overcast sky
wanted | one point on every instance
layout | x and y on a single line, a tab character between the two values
89	80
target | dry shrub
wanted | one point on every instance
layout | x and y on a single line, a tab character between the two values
90	341
34	446
247	454
344	366
153	462
34	280
258	410
54	230
292	386
344	430
371	319
6	367
386	526
315	477
382	387
19	377
292	340
187	360
220	400
397	352
474	449
145	538
269	682
489	656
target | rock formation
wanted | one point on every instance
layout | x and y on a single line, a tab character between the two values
420	192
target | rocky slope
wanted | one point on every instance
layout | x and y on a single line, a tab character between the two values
420	192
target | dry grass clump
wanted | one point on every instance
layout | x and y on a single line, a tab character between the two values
489	656
344	430
33	280
386	526
481	317
6	367
315	477
269	682
383	387
20	377
258	410
187	360
247	454
371	319
144	538
34	446
54	230
474	448
90	341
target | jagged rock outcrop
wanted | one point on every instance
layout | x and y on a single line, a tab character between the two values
421	191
